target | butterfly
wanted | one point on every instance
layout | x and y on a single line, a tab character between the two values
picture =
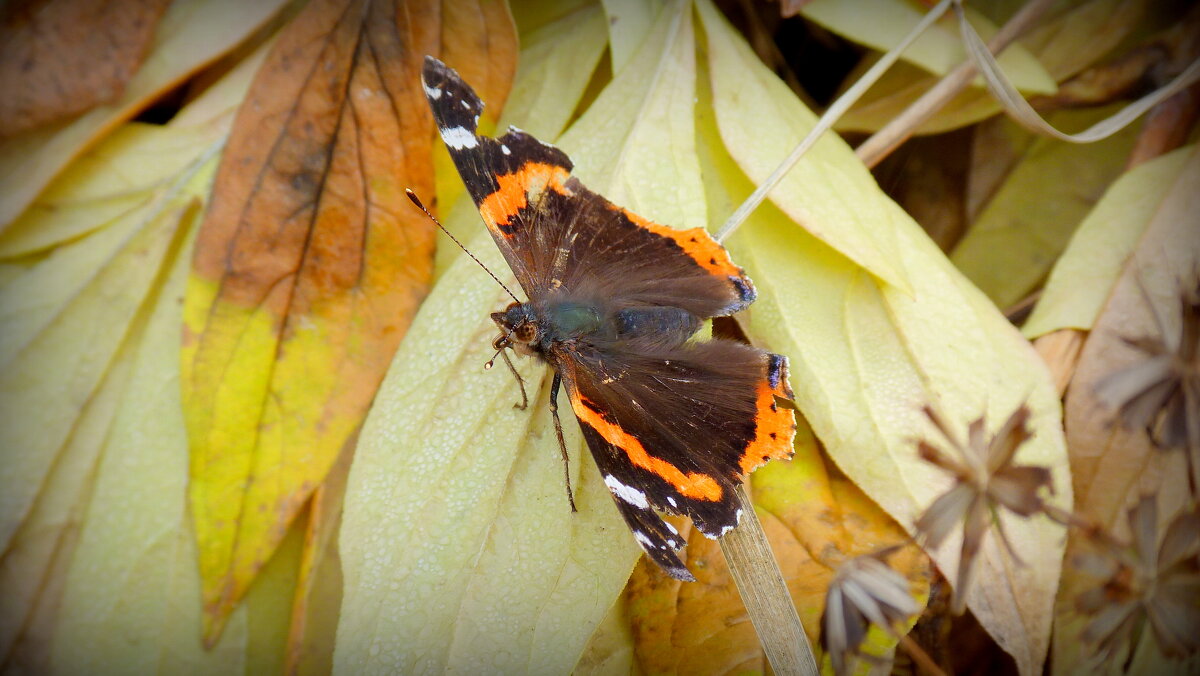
673	424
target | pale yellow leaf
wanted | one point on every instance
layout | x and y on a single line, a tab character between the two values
47	382
828	194
1016	238
609	651
628	23
34	556
651	168
190	35
1083	277
132	597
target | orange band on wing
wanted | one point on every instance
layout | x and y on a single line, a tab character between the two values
692	485
696	243
514	192
774	426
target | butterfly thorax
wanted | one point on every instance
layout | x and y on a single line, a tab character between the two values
534	329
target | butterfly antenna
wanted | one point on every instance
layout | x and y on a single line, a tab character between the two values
417	201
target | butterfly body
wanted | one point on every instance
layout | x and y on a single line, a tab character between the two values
674	424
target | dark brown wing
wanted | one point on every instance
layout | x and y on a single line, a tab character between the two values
558	235
676	429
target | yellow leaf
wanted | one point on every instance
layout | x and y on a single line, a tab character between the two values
882	24
1114	467
190	35
53	374
317	598
310	264
866	356
1084	275
610	649
90	288
628	23
829	194
456	531
651	168
32	566
1017	237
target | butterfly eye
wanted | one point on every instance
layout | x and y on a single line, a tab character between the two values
526	333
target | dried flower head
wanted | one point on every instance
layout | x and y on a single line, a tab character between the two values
864	591
1151	579
1161	391
984	480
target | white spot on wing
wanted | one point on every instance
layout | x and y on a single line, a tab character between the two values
434	93
671	501
504	149
466	105
736	520
627	493
644	539
459	138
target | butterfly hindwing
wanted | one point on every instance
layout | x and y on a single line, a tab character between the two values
677	429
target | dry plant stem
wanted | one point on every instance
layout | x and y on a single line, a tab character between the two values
1167	126
883	142
925	663
831	115
1060	350
768	602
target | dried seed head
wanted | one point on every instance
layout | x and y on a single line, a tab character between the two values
1161	391
985	480
864	591
1151	580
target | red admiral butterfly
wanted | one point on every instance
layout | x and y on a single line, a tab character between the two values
673	425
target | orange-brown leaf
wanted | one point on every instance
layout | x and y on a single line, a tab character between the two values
62	57
308	268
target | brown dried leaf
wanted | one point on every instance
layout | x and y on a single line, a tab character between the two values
311	263
62	57
1112	467
192	34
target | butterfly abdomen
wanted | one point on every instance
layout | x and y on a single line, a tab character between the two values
670	324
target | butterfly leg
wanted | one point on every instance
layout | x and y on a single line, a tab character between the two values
520	381
562	445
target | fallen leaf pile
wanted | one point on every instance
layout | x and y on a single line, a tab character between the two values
245	424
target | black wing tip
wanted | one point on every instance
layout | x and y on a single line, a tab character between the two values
453	101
